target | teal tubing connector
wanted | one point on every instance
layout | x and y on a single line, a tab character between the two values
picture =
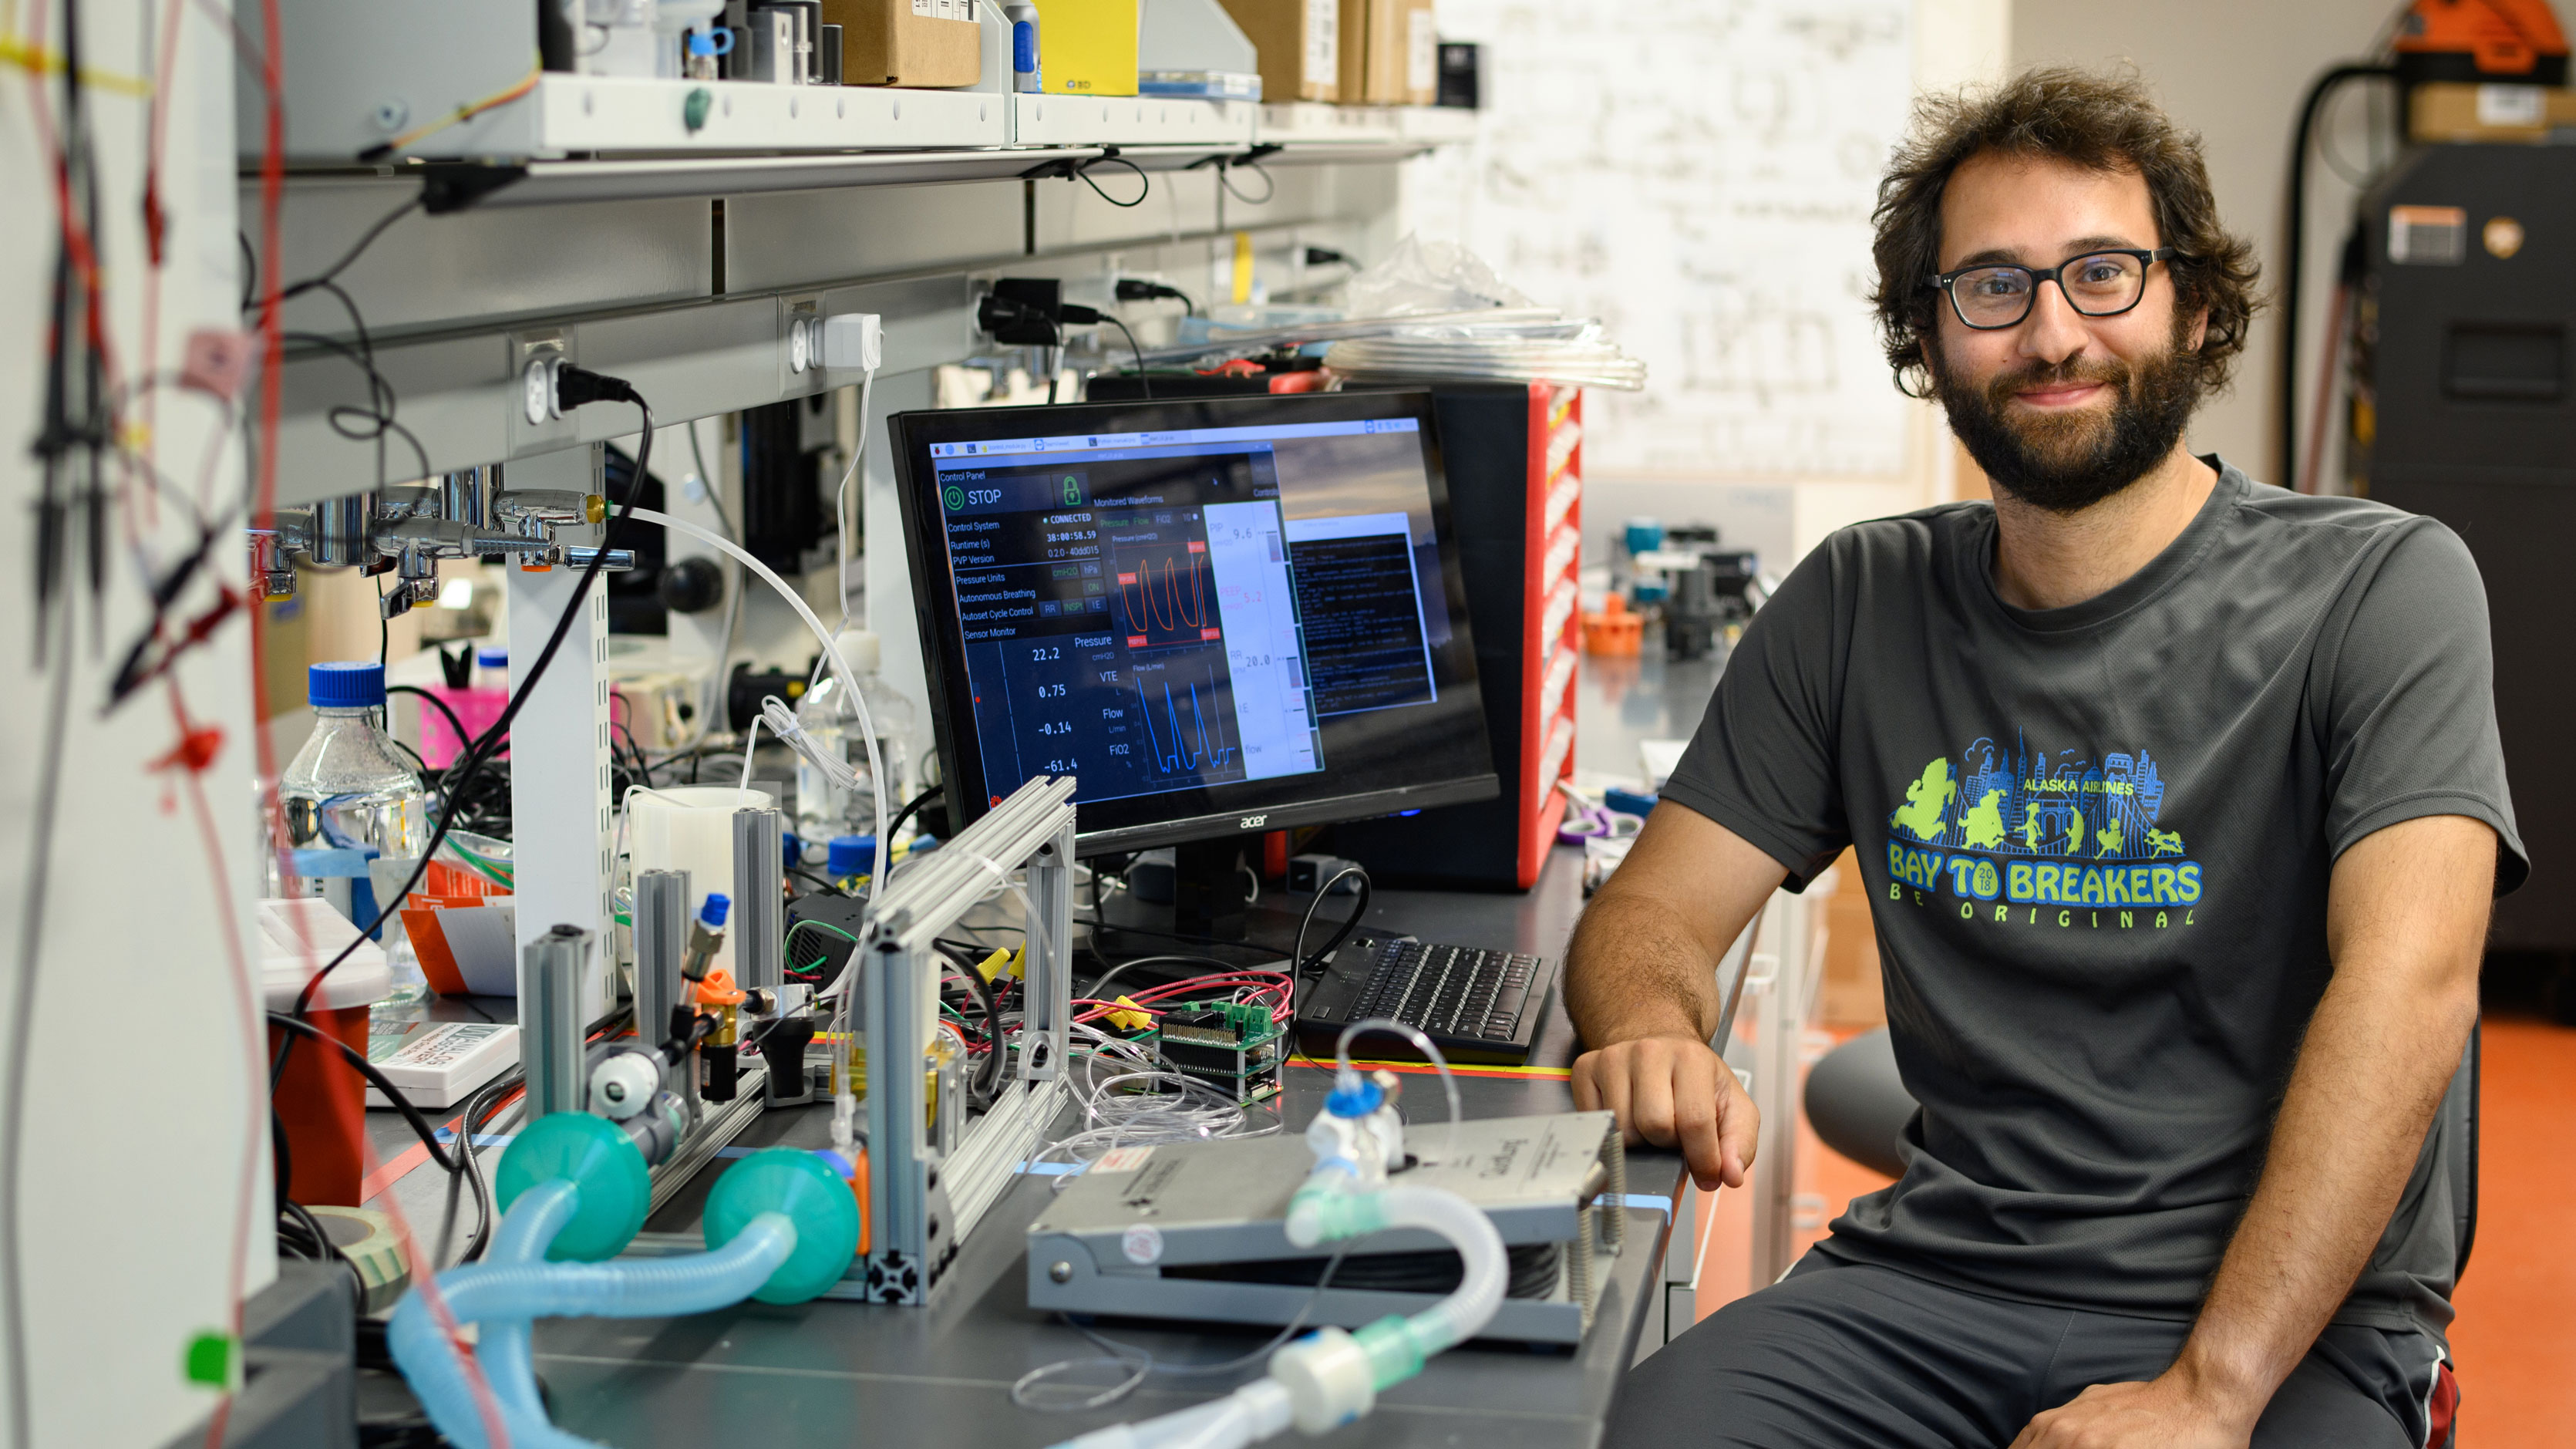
807	1190
1394	1351
598	1157
499	1293
1326	1209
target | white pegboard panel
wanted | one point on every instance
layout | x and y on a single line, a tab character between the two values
1130	121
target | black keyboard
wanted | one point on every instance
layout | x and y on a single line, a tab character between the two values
1477	1006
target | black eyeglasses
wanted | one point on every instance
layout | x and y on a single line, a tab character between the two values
2096	284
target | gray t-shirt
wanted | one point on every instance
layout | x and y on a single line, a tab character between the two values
2097	842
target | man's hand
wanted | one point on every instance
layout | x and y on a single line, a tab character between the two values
1671	1090
2406	917
2170	1412
1641	985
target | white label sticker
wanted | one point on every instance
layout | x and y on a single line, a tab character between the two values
1143	1244
1122	1159
2511	105
1421	51
1323	41
945	9
2428	235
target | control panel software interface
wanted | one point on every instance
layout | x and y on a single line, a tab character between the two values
1182	611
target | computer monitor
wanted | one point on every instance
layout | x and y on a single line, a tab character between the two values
1222	616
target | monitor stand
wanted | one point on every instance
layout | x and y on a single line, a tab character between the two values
1208	889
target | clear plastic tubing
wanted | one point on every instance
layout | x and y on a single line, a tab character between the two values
831	647
504	1296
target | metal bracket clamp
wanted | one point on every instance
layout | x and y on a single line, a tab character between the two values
921	1206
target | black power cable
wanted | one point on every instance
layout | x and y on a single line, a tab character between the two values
1306	963
1137	289
357	1059
576	386
464	736
331	273
910	808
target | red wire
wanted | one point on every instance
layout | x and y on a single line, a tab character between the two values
155	239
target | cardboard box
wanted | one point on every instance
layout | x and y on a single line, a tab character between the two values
1300	44
1390	53
2450	111
921	43
1087	47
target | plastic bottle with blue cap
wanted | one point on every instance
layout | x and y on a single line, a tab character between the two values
348	797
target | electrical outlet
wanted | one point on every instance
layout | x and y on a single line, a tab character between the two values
537	419
803	337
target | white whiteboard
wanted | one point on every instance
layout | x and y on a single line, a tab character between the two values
1699	175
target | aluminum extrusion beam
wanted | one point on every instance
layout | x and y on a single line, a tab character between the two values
661	940
759	888
917	1219
550	1020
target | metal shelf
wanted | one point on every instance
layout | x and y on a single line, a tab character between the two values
608	115
548	183
1132	121
604	138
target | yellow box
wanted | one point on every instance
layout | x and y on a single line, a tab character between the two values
1088	47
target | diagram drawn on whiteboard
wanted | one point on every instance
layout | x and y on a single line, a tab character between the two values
1740	217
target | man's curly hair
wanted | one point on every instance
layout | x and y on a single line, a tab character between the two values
2104	123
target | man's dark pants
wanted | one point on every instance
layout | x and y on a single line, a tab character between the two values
1838	1354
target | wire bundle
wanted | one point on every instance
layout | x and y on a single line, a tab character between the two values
1248	987
1140	1102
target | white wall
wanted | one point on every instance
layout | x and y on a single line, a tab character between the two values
2236	73
1707	264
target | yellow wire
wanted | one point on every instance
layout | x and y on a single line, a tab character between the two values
471	109
45	62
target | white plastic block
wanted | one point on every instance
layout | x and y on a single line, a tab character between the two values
854	340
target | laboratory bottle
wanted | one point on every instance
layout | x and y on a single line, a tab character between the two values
823	810
349	797
492	667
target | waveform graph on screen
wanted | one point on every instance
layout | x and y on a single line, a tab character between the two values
1164	596
1185	704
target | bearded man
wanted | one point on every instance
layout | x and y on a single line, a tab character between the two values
2180	807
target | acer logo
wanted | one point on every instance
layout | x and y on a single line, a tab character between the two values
1252	822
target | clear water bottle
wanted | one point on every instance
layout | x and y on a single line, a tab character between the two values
824	811
350	798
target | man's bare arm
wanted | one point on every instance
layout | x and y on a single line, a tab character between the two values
1641	985
2406	920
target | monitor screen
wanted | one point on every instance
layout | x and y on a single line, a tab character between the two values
1218	615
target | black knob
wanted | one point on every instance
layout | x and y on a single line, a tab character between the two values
691	585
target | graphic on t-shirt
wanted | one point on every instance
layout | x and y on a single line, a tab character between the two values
2032	826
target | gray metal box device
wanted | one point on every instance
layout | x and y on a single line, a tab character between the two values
1123	1236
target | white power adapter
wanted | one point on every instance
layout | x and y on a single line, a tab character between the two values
855	341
